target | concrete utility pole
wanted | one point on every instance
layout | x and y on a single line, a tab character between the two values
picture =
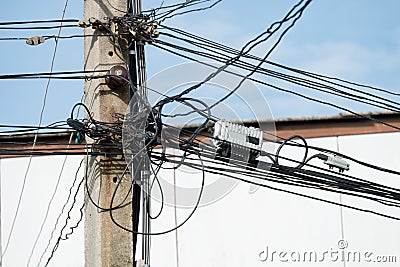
105	243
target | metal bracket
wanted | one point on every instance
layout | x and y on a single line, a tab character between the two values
94	23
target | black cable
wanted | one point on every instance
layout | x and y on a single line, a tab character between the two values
282	89
88	193
13	38
301	164
60	238
170	14
159	106
284	176
307	147
39	27
27	128
303	195
48	37
341	178
203	42
179	6
61	213
174	228
38	21
72	228
53	75
215	47
30	153
155	173
341	183
270	31
318	86
355	160
313	74
296	17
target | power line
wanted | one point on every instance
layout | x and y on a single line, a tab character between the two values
176	7
54	75
317	86
296	17
60	237
204	43
221	53
36	136
37	21
51	201
249	46
171	229
62	212
271	86
171	13
289	172
48	37
39	27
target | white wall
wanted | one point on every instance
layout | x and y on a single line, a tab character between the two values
40	184
234	230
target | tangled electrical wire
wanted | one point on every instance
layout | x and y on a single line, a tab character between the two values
94	129
199	151
190	46
301	176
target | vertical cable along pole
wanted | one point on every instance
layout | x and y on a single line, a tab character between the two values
145	171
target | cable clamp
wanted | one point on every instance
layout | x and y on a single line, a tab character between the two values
337	162
144	30
94	23
86	22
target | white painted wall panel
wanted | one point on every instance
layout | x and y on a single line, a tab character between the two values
234	230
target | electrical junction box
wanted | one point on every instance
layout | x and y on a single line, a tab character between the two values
235	140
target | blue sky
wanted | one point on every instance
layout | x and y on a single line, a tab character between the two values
356	40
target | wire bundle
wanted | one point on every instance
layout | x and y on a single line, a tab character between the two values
197	153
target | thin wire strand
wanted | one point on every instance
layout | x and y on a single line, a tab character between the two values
271	86
61	213
39	27
60	238
37	21
36	135
392	106
51	200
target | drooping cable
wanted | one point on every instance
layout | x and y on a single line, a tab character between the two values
60	237
36	136
60	214
51	200
278	88
356	95
171	229
218	48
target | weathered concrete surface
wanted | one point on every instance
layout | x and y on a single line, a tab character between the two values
105	243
